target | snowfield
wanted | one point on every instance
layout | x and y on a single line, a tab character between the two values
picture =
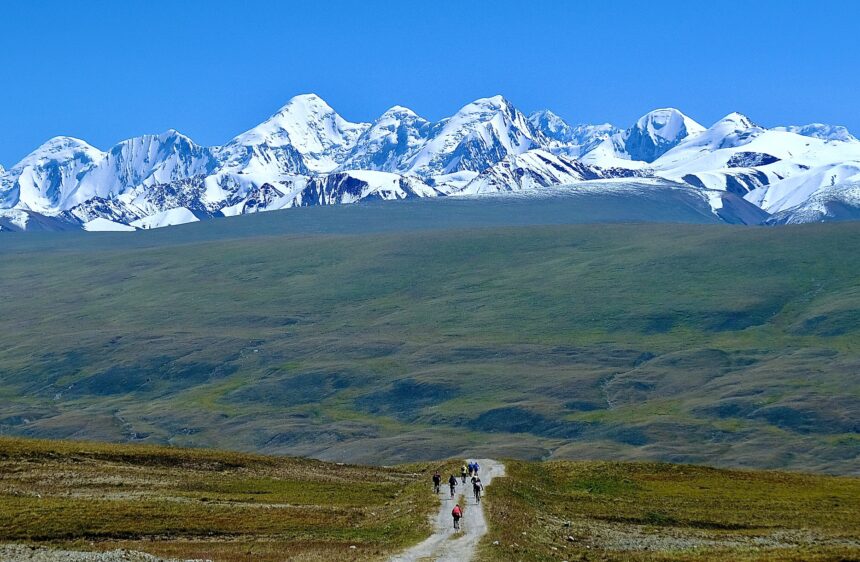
307	154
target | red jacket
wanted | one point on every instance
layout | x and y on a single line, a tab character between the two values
456	511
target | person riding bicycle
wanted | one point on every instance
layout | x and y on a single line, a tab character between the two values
463	472
477	488
452	482
457	513
437	481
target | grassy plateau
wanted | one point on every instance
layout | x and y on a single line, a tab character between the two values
226	506
612	511
205	504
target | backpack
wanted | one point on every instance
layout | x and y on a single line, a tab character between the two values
456	512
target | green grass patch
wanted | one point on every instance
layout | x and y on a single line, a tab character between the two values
647	511
70	494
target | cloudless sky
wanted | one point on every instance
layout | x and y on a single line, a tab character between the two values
107	71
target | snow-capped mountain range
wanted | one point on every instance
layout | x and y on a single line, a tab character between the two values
307	154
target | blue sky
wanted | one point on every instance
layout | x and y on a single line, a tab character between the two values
106	71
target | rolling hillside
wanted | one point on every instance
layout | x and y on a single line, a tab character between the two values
342	340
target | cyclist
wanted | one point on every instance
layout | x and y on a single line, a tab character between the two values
457	513
477	488
452	482
437	481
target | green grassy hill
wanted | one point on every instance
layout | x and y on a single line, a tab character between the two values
662	512
711	344
204	504
224	506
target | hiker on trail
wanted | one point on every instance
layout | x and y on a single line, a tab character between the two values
437	481
476	468
457	513
463	472
452	482
477	488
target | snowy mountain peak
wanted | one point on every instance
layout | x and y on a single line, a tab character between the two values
545	115
304	107
389	142
480	134
172	135
668	123
61	148
559	137
397	110
820	131
48	176
732	131
551	125
169	138
307	154
311	127
496	101
715	148
146	160
491	104
737	119
657	132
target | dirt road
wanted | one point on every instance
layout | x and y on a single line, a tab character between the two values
441	546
